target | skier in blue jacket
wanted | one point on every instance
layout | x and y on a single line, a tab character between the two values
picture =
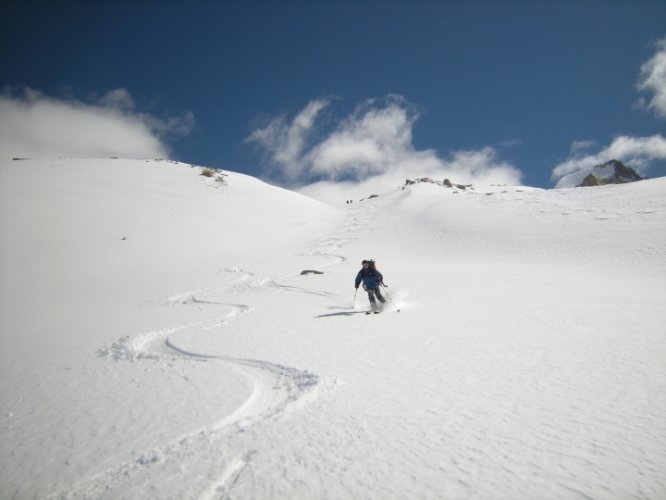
372	279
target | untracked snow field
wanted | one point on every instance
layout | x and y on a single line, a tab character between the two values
158	340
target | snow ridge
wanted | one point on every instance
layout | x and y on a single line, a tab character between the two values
169	347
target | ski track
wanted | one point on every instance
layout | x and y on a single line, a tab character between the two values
275	388
223	484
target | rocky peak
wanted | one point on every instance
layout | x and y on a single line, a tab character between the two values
611	172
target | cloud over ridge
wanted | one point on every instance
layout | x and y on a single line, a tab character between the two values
35	125
636	152
372	145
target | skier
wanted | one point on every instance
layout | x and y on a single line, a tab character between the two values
372	279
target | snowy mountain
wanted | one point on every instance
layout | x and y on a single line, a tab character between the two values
158	339
611	172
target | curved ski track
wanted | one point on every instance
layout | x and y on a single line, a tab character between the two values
275	388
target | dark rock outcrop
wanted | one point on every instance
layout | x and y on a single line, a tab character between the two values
590	180
427	180
611	172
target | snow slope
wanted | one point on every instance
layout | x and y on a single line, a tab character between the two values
158	339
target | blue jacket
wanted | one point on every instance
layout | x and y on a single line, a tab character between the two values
371	279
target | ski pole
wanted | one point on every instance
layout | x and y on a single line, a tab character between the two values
355	292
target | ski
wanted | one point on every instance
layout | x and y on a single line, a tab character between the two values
377	312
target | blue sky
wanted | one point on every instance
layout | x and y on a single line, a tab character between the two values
300	91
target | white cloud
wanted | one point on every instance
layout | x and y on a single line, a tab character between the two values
285	142
119	99
635	152
374	139
480	166
577	147
371	147
34	125
652	79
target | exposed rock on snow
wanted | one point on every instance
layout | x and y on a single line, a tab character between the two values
611	172
427	180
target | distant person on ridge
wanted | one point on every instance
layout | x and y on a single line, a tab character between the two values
372	279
